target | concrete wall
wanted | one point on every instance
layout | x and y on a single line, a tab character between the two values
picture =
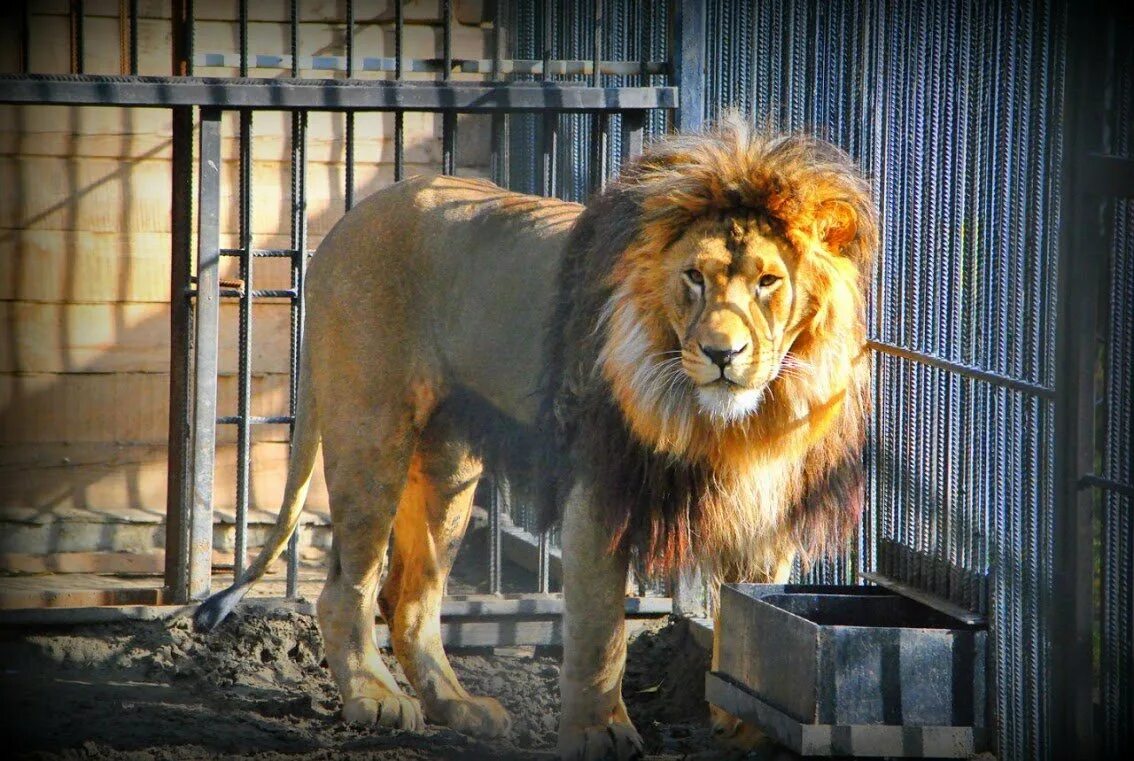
84	248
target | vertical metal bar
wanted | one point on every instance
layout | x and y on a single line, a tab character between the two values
495	504
543	566
244	347
447	39
600	149
448	118
24	63
298	310
548	16
448	142
1070	608
550	148
348	190
243	32
205	353
633	133
76	22
294	41
497	8
687	63
134	36
177	510
596	45
399	115
499	138
298	272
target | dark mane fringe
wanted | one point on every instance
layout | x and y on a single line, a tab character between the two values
651	503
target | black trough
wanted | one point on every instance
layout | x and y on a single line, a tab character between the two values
850	670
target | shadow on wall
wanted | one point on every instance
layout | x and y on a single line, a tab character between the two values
84	298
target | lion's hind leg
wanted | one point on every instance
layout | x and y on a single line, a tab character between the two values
366	463
428	529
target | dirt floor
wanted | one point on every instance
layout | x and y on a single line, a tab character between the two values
258	688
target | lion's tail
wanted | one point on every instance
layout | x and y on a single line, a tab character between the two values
304	448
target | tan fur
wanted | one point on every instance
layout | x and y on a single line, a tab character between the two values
713	214
440	286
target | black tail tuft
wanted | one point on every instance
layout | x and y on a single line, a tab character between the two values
214	610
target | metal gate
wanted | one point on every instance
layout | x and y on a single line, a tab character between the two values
1000	456
589	97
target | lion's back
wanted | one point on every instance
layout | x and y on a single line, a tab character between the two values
454	269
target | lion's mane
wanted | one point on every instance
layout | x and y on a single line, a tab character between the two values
732	496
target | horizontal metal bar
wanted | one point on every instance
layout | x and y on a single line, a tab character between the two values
561	67
430	65
926	598
319	62
468	607
1105	175
281	253
963	370
261	293
257	420
325	94
1107	484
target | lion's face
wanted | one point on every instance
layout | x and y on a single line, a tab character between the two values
734	297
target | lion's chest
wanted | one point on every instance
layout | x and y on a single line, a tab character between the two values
743	520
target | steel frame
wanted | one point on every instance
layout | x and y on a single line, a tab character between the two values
195	325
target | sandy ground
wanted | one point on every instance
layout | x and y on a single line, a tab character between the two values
258	688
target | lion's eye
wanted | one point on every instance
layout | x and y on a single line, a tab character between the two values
694	276
767	281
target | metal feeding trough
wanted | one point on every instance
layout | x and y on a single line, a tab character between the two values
850	671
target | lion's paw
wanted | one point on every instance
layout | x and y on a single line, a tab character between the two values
614	742
481	716
733	734
391	710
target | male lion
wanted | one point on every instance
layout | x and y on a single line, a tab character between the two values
702	399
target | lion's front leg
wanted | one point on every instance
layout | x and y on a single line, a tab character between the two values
728	730
594	723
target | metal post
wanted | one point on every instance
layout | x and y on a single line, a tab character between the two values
633	133
687	62
449	142
205	353
399	115
177	512
348	190
499	146
600	145
78	58
1082	266
495	504
543	564
298	316
244	346
550	149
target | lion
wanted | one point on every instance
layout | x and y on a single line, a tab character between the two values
675	371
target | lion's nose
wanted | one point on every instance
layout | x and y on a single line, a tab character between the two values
721	357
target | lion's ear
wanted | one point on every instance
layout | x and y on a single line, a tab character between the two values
838	224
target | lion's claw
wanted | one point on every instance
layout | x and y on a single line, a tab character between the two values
392	710
614	742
